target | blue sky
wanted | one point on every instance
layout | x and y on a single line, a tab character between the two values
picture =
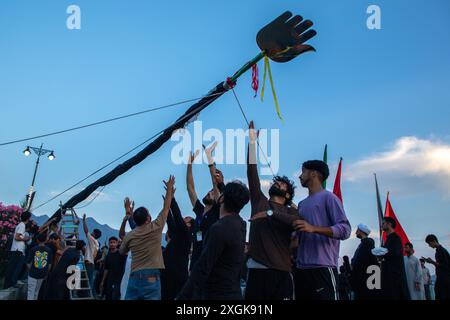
378	98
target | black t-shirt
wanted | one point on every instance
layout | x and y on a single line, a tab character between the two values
203	221
40	258
443	260
216	275
115	264
176	253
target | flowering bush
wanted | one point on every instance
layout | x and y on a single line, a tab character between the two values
9	218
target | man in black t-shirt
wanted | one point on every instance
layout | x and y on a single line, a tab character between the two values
216	275
113	271
176	253
393	273
39	262
442	264
206	214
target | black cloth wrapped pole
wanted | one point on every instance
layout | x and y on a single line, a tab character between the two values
218	91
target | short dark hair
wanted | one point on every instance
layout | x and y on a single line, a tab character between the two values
26	215
140	216
409	244
41	237
430	238
391	221
97	233
290	186
113	238
80	244
235	196
318	165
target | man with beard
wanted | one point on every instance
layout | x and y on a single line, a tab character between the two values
269	263
393	275
324	226
206	214
362	259
176	253
216	275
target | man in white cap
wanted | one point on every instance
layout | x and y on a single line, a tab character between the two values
361	260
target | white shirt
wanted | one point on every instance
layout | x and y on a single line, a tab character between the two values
92	247
19	245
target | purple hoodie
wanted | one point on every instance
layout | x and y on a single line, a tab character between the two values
322	209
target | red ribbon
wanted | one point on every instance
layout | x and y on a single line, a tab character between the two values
255	80
230	83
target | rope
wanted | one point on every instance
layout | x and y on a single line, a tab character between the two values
123	155
248	124
92	200
104	121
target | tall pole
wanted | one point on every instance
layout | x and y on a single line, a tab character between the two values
36	167
39	152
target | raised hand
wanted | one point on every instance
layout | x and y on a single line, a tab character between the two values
170	185
252	134
284	38
129	206
210	149
192	156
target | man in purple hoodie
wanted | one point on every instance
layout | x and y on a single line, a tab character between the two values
320	233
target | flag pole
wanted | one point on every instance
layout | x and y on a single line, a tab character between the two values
379	209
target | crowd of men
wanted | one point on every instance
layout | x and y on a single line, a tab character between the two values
292	251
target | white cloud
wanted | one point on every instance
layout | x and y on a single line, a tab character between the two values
409	166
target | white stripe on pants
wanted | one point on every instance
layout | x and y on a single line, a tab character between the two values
333	281
34	285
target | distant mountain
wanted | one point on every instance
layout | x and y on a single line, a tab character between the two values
106	230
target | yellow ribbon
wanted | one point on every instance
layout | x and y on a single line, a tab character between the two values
267	71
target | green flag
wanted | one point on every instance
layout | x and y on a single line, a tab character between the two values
325	156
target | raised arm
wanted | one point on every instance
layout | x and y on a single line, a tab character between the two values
170	191
190	179
85	227
259	207
212	169
177	219
129	207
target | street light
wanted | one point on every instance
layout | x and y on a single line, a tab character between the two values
39	152
27	152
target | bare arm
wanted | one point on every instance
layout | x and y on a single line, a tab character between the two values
129	206
190	179
170	191
85	227
122	228
212	169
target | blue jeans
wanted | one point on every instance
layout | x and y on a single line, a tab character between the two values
144	285
90	274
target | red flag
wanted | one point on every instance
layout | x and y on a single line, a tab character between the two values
337	182
389	212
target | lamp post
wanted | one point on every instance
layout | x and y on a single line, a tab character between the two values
39	152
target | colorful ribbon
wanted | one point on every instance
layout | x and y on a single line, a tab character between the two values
267	71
